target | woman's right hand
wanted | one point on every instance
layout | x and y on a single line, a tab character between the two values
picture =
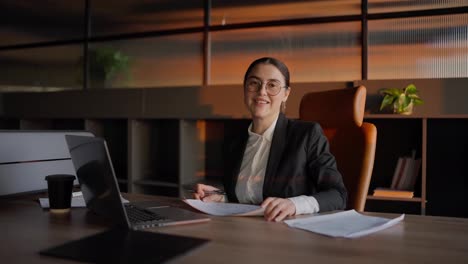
205	193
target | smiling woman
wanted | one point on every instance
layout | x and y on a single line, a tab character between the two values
284	165
265	104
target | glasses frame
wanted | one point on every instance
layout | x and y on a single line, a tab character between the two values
261	86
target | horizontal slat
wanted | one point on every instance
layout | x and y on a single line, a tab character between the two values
24	146
28	177
414	199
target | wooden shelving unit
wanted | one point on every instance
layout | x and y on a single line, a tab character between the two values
441	142
158	151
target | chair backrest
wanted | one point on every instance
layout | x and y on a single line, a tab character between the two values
352	141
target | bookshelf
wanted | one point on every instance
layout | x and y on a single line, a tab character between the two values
406	134
447	165
166	155
437	131
441	142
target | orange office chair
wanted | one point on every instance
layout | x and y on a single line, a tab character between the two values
352	141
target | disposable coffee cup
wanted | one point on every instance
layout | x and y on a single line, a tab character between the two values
60	192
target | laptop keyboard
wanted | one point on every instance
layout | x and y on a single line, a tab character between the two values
137	215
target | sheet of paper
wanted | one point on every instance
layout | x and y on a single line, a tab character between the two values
347	224
76	201
225	209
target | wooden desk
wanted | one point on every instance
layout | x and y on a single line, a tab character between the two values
27	229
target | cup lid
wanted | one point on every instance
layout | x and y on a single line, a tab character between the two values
60	177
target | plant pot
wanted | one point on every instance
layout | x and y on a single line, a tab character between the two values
405	111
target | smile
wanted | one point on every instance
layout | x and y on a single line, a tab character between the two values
261	101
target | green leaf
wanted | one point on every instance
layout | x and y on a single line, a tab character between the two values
406	101
392	91
411	89
387	101
417	101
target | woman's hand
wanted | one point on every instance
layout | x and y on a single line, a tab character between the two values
276	209
208	193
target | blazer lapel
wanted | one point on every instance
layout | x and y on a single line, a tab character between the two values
278	144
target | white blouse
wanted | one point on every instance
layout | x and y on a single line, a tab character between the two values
249	187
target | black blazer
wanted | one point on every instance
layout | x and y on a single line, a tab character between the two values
299	163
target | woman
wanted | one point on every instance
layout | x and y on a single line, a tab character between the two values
284	165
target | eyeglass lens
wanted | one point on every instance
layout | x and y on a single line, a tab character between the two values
272	87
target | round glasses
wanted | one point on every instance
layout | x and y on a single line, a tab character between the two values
273	87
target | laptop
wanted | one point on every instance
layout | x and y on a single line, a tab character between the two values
91	159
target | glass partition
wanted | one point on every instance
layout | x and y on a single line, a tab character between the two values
130	16
39	21
322	52
41	69
225	12
148	62
384	6
421	47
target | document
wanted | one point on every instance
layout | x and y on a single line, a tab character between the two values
347	224
225	209
76	201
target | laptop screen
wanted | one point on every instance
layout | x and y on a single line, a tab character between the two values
96	176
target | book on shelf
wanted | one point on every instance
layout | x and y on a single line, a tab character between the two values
406	172
398	172
404	178
387	192
410	174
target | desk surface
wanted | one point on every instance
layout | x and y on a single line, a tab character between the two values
27	229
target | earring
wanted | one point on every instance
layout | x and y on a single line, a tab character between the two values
283	107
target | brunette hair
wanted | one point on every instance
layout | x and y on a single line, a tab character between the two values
275	62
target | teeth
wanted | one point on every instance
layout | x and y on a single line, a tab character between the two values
261	101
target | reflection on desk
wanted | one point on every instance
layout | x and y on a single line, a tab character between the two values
418	239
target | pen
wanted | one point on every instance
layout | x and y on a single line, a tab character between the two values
210	192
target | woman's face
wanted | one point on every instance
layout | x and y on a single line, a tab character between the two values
261	104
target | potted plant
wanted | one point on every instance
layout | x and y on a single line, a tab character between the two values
402	101
104	64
